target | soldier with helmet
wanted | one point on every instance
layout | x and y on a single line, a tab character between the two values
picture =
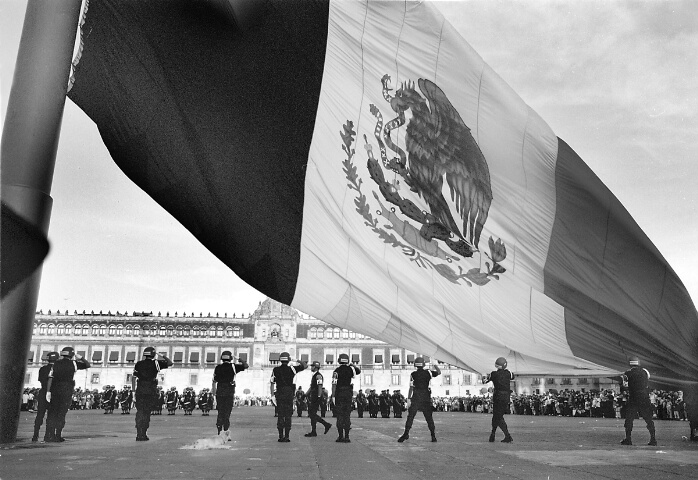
59	391
342	392
282	377
314	397
636	383
172	399
501	397
223	387
419	398
42	406
144	383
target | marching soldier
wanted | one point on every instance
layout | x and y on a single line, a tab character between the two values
314	397
59	391
172	400
384	399
360	403
188	401
501	379
42	405
144	382
373	404
282	377
126	400
419	398
223	387
398	404
635	380
203	402
300	401
342	392
323	402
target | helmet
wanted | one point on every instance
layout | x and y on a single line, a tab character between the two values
53	356
285	357
227	355
343	358
419	362
633	360
500	363
173	389
149	352
67	352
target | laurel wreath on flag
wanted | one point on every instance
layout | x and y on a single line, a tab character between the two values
413	244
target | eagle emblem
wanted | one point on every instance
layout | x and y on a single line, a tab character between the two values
438	148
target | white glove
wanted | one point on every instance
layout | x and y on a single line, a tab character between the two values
408	403
48	397
134	397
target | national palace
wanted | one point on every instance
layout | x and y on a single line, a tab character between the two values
113	342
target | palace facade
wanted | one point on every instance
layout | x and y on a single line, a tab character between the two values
113	343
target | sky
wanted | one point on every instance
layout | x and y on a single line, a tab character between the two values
615	80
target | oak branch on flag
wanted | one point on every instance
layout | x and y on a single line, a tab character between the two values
360	162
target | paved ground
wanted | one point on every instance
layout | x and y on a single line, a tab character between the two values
102	446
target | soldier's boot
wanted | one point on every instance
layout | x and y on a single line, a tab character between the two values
327	427
346	436
48	434
312	433
653	441
145	435
627	440
433	436
507	439
58	436
340	439
35	438
281	434
491	440
404	436
287	430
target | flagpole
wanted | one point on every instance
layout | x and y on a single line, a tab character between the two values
28	155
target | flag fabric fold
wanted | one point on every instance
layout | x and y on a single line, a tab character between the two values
360	162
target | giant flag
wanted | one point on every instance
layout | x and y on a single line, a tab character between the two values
360	162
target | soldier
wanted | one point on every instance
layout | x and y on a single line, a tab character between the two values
419	398
314	397
223	387
300	401
59	391
324	400
188	401
202	401
398	404
125	400
342	392
501	379
373	404
360	403
144	382
40	399
384	399
172	400
282	377
635	380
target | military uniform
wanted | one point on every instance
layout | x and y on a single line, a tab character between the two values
223	387
501	397
635	381
420	398
60	388
373	404
314	397
343	391
398	404
40	399
282	377
145	382
172	399
360	404
300	401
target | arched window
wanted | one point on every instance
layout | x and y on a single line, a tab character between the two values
229	331
236	332
170	331
179	331
328	333
352	335
129	330
163	330
187	331
95	329
320	333
337	332
102	330
51	329
212	332
219	332
196	331
86	329
69	329
112	329
136	330
36	327
119	330
345	333
60	330
42	329
312	333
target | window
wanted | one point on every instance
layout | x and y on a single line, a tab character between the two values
130	357
345	333
328	333
81	353
352	335
312	333
550	381
305	357
129	378
178	357
583	381
395	379
410	359
170	331
566	381
27	378
163	331
229	332
193	379
329	359
146	330
212	332
395	359
337	332
119	330
194	357
187	331
236	332
42	329
129	330
60	330
97	356
94	379
51	329
467	379
320	333
30	358
113	357
196	331
44	355
378	359
368	379
219	332
274	357
210	357
355	358
137	331
102	330
447	379
178	331
242	356
68	329
360	336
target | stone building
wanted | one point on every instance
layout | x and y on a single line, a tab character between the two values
113	342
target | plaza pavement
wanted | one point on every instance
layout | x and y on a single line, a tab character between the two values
102	446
